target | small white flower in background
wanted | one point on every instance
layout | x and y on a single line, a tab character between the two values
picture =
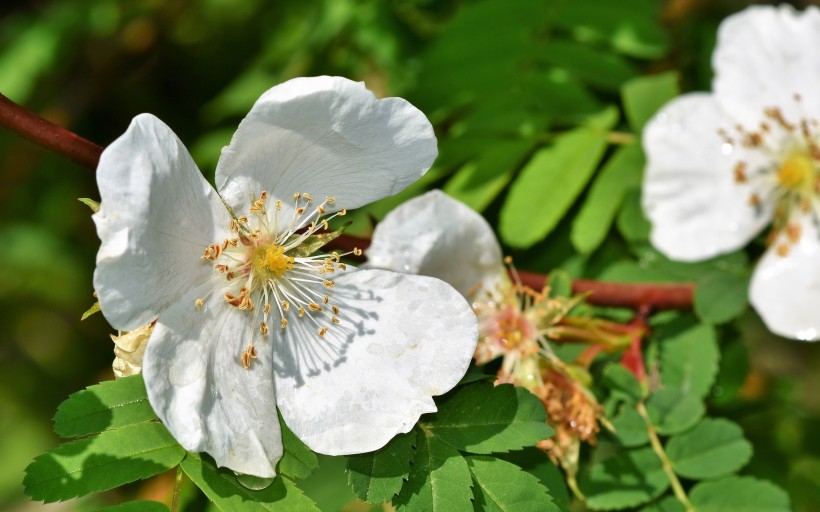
129	348
721	166
247	318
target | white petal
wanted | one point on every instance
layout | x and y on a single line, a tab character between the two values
327	136
690	195
785	290
202	393
402	340
435	235
156	217
764	56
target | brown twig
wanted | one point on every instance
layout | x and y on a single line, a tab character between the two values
84	152
29	125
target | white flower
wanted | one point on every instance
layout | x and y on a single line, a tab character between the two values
350	357
129	349
724	165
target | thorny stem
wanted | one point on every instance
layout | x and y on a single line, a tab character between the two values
177	485
46	134
657	447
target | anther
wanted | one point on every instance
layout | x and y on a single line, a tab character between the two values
342	212
322	331
285	305
330	200
325	299
334	320
199	303
327	283
266	309
284	323
320	209
301	311
314	307
307	196
335	310
357	251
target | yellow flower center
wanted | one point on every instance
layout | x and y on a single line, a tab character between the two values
796	172
273	259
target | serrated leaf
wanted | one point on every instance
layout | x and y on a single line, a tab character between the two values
645	95
104	406
627	479
618	378
102	462
439	479
137	506
739	493
630	428
590	65
377	476
482	418
620	174
94	205
690	359
721	297
713	448
533	461
501	486
298	461
672	410
552	179
95	308
223	489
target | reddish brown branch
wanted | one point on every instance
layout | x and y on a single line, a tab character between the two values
639	297
44	133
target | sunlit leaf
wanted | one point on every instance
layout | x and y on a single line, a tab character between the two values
645	95
377	476
739	493
713	448
501	486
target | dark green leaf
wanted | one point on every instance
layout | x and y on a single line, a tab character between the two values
298	461
137	506
535	462
621	173
630	428
739	493
501	486
672	410
631	221
667	504
223	489
102	462
721	297
482	418
589	64
616	377
376	477
713	448
439	479
552	180
643	96
689	359
627	479
104	406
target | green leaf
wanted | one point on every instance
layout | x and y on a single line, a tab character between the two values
137	506
690	359
713	448
618	378
482	418
560	284
645	95
501	486
94	205
315	242
533	461
480	180
591	65
95	308
739	493
631	221
298	461
667	504
630	428
551	180
627	479
672	410
721	297
376	477
102	462
439	479
223	489
621	173
108	405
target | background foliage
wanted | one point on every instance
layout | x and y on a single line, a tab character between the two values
535	104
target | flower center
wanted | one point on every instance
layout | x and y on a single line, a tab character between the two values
273	260
796	173
269	270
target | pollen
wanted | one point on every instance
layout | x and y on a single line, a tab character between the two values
796	172
274	260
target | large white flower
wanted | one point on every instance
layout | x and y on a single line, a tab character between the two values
247	318
724	165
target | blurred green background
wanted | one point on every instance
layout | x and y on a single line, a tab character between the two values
498	78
